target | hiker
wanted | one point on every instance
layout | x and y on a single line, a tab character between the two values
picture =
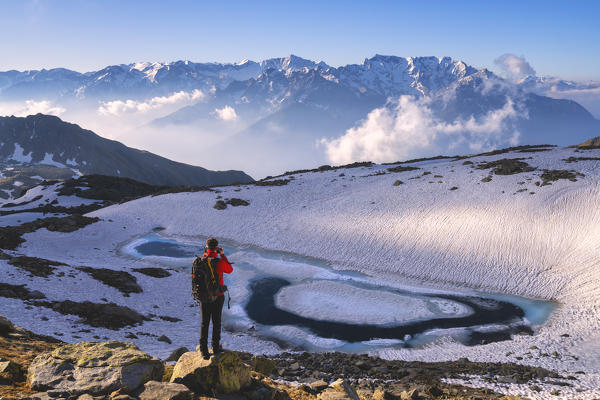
209	290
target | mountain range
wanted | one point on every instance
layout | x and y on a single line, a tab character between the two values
290	111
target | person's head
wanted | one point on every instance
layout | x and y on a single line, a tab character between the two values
212	244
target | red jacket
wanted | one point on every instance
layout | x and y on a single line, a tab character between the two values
223	266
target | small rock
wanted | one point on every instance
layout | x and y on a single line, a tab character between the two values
318	386
164	391
174	356
294	367
382	395
412	394
342	385
85	396
10	371
5	326
332	394
165	339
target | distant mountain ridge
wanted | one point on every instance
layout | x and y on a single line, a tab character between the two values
387	75
286	107
47	140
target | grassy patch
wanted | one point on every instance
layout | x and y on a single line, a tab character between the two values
123	281
552	175
400	168
507	166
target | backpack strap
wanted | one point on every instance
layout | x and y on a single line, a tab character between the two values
212	270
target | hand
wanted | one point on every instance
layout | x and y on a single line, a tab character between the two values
221	252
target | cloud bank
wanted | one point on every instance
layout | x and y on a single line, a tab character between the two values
514	67
407	128
31	107
120	107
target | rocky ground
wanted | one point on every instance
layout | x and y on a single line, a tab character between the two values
41	367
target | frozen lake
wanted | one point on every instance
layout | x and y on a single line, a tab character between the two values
302	302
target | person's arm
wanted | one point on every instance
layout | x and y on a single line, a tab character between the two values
224	264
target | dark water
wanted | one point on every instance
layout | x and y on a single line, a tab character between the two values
167	249
262	309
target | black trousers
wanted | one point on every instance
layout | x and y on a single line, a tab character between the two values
211	311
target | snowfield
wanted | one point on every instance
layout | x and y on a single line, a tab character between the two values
507	236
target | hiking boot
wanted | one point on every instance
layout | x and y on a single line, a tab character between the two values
204	351
217	348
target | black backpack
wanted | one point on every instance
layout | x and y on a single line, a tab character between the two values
205	279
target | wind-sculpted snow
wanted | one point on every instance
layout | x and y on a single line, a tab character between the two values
509	235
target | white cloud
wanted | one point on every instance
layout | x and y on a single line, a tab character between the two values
514	67
31	107
407	128
120	107
226	113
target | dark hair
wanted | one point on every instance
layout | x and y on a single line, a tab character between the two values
212	244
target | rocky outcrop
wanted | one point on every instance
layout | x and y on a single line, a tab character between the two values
223	373
93	368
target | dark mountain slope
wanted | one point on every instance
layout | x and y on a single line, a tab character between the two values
43	139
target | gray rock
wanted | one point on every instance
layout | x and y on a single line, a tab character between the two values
223	373
165	391
41	396
332	394
10	371
318	386
410	395
174	356
5	326
94	368
343	386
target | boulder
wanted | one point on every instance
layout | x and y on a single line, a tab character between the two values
93	368
224	373
5	326
165	391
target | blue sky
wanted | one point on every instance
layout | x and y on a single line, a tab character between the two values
559	38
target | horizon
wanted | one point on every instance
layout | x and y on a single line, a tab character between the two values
497	70
89	35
